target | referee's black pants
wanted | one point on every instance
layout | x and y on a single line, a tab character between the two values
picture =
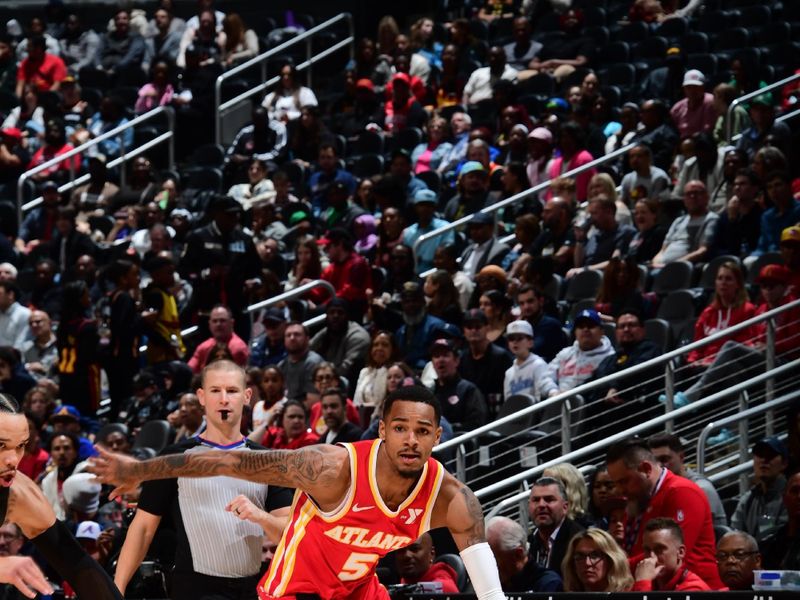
196	586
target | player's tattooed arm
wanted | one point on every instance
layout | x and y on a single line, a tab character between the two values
307	468
462	513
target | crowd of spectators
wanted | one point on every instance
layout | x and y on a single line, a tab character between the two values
340	182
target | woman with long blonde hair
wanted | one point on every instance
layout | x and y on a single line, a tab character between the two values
594	562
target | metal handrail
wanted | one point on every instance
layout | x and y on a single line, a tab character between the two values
603	381
736	418
261	60
124	156
781	119
293	293
574	455
517	197
737	101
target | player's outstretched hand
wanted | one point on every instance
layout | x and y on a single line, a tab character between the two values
243	508
114	469
23	573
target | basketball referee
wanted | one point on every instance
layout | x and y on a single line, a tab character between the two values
218	553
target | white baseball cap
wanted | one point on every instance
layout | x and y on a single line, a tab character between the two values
88	530
694	77
519	327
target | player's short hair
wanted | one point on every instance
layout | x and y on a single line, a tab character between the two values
660	523
413	393
547	481
9	405
222	364
631	452
671	441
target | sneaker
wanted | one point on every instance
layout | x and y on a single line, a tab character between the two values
723	437
679	400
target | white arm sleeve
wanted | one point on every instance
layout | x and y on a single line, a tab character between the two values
482	569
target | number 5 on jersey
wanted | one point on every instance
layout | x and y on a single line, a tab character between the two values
357	565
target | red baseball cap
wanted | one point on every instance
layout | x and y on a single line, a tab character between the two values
776	273
12	132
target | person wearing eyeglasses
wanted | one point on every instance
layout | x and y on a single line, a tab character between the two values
595	563
737	557
663	567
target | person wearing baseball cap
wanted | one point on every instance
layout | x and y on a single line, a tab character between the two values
776	289
764	127
790	251
425	202
485	248
473	189
482	361
591	347
268	348
695	112
529	373
760	511
462	402
403	110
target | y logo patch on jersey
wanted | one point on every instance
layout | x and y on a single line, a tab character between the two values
413	513
679	516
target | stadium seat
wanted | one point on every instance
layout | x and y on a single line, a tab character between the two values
368	165
651	50
407	139
731	39
369	142
676	275
594	15
479	29
584	285
432	179
695	41
155	435
616	52
512	405
620	74
709	273
707	63
599	34
713	22
500	31
610	331
754	16
577	307
203	178
208	155
542	84
658	332
633	32
678	310
673	28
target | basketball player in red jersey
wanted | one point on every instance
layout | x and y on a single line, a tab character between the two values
354	503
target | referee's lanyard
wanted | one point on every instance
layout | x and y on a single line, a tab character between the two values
633	532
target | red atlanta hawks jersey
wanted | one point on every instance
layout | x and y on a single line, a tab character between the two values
334	554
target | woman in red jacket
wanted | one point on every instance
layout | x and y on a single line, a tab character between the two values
712	361
293	432
729	307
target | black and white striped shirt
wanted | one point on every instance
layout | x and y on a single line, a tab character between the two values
211	540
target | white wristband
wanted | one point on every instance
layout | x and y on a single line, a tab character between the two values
482	569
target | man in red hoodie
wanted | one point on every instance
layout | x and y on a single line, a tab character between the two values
415	564
654	492
663	567
348	272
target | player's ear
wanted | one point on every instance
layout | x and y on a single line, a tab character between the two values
381	429
438	435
